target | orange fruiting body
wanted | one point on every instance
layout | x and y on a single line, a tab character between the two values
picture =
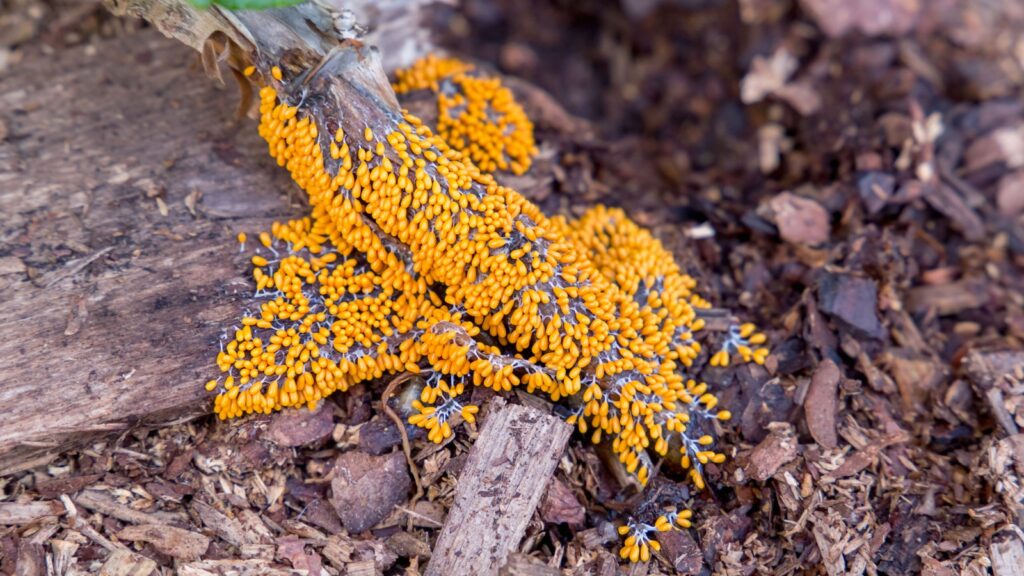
477	115
413	253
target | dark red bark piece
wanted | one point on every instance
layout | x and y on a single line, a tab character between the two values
292	428
821	404
366	488
560	505
852	301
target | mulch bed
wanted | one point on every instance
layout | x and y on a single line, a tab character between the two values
849	175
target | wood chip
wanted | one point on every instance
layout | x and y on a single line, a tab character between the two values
366	488
872	17
1008	556
1010	194
800	220
363	568
821	404
294	550
856	462
776	450
853	301
522	565
105	504
125	563
560	505
291	428
228	529
951	298
682	552
408	546
944	200
14	513
986	368
1004	145
916	377
63	555
169	540
11	265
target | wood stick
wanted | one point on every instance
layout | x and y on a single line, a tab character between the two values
500	487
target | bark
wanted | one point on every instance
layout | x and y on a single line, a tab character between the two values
112	310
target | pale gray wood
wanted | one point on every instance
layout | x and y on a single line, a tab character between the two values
1008	556
500	487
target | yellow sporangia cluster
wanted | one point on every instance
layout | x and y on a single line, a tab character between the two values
414	259
437	404
744	340
639	536
477	115
326	320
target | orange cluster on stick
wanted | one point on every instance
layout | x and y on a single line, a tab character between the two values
415	259
477	115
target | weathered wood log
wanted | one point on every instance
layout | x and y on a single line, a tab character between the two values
394	27
124	179
124	183
500	487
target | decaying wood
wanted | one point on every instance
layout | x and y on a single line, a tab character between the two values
123	182
1008	556
503	481
395	27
